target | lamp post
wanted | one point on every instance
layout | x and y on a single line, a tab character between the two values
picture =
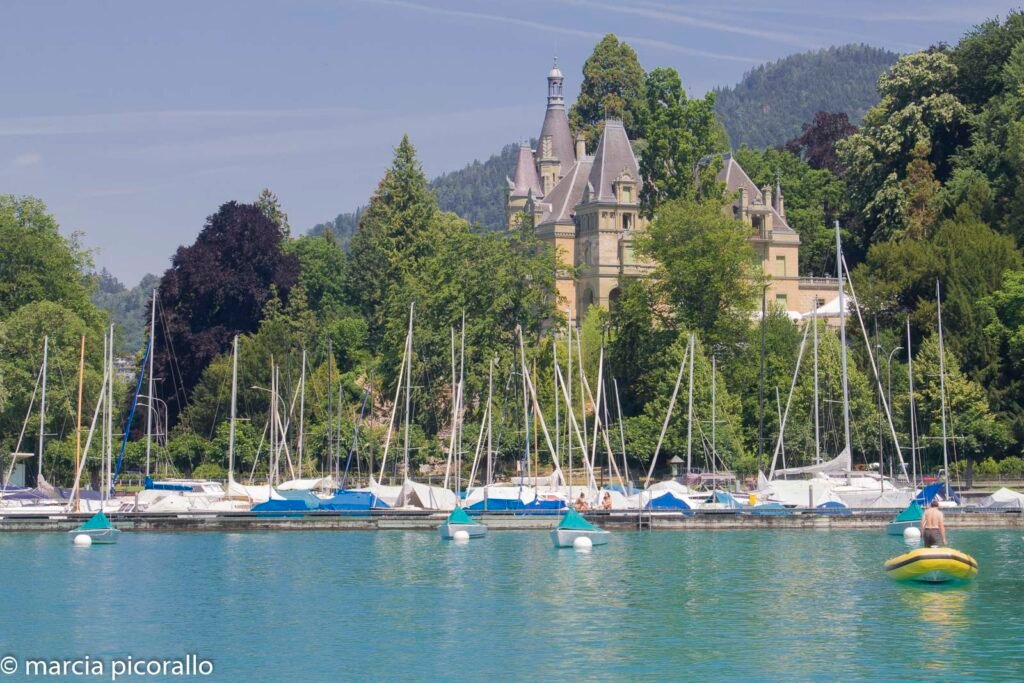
888	368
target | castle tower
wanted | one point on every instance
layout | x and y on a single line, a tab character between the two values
555	154
607	219
523	187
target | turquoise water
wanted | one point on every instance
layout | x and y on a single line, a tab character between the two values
697	605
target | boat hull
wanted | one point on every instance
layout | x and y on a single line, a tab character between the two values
932	565
897	528
448	530
564	538
106	536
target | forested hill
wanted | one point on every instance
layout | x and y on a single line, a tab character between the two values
477	192
770	104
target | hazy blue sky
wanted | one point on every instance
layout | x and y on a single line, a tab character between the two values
135	120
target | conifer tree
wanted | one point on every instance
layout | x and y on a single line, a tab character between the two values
613	86
390	238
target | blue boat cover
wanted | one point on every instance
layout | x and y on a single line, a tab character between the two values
913	513
459	516
286	505
834	507
537	504
666	501
770	509
311	501
727	499
353	500
160	486
574	521
929	492
97	521
498	504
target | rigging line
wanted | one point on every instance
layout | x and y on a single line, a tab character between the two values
178	384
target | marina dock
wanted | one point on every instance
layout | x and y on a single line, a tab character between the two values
401	520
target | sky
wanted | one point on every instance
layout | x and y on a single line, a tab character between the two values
136	120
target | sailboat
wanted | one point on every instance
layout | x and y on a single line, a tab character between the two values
574	526
459	520
98	528
824	483
411	494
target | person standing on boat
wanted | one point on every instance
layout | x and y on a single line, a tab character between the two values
933	526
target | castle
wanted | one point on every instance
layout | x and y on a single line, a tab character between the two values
588	208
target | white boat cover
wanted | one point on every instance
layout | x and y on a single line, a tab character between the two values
309	484
524	494
841	463
1005	499
415	494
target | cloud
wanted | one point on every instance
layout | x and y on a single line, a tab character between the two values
671	15
27	160
564	30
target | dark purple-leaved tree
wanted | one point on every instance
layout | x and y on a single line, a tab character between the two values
215	289
817	143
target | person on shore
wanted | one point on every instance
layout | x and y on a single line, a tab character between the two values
606	502
933	526
581	503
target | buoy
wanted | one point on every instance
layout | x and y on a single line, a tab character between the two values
83	540
912	534
583	544
460	536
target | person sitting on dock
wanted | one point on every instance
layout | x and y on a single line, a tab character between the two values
933	526
606	502
581	503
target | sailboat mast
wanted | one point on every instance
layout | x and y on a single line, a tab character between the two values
302	409
490	394
842	346
234	408
462	380
689	414
568	401
622	430
408	387
42	411
78	418
149	412
554	381
714	373
913	416
942	385
526	408
330	408
103	419
817	423
108	485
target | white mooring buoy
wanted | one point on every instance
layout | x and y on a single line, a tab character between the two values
461	536
83	540
911	534
583	544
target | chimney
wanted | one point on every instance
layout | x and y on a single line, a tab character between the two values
766	191
581	146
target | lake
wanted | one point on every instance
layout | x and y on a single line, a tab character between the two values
697	605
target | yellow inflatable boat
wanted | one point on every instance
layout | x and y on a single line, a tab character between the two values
933	565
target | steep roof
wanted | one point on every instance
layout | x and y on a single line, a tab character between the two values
734	177
567	193
525	177
556	124
614	157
